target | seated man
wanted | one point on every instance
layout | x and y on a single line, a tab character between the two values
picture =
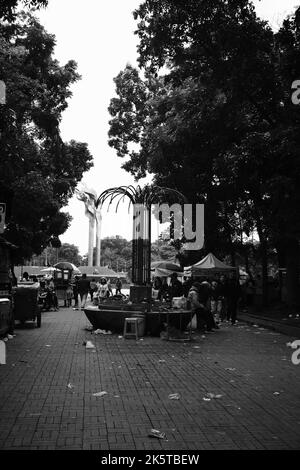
197	298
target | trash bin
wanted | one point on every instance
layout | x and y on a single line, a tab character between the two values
5	316
26	306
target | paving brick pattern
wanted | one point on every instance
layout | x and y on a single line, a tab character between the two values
250	367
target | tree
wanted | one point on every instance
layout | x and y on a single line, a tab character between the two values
116	253
163	249
8	7
69	252
219	125
52	255
38	171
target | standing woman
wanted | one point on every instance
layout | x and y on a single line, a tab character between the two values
103	290
93	288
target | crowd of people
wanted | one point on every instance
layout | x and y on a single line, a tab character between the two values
81	287
212	301
98	290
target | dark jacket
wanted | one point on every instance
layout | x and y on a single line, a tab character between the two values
83	286
176	289
233	290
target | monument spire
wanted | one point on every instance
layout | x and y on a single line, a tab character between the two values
93	212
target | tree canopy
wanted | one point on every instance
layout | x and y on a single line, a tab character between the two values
8	7
38	171
211	111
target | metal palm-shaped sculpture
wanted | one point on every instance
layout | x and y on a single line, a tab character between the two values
141	199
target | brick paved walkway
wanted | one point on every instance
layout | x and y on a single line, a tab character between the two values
244	364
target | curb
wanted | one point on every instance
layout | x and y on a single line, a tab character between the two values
275	325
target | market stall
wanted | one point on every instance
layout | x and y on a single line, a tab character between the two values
210	266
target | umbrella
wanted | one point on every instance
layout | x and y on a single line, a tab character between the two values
166	265
158	272
67	265
49	270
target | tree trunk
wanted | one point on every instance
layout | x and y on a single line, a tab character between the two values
246	259
232	255
263	246
292	272
264	262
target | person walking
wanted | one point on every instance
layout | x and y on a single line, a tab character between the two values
118	286
83	289
233	296
215	302
222	286
75	291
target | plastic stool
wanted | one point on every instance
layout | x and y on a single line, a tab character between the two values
133	324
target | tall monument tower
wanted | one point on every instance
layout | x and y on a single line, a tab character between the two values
93	212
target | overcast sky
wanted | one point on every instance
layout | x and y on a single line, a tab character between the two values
98	35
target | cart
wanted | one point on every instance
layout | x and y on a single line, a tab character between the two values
63	278
6	281
26	306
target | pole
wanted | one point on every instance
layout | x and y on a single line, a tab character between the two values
98	238
91	240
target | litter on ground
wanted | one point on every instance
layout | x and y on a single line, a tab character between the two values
102	332
158	434
99	394
174	396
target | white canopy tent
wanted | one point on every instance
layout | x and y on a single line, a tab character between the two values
209	264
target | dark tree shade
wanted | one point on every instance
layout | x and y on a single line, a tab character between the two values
8	7
38	171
